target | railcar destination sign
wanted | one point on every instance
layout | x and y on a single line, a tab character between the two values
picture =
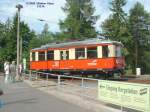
131	95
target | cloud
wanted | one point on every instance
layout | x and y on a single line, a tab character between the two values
49	13
53	13
31	13
102	9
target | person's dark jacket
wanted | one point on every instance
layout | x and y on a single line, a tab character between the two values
1	92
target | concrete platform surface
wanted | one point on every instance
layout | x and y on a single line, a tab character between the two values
19	97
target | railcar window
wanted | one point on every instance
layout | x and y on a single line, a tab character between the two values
92	52
118	51
67	53
50	55
33	56
41	56
80	53
105	51
61	55
64	55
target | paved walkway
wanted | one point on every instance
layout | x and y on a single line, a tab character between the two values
19	97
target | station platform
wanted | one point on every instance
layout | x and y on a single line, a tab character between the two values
20	97
31	96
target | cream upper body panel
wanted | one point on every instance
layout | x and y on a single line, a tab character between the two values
36	56
72	53
56	55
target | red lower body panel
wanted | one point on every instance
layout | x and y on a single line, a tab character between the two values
83	64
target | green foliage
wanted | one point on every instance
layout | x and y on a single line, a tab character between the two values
145	57
116	25
46	36
8	39
4	38
42	39
139	19
129	30
80	19
117	10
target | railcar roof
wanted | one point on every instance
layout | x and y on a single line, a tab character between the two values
78	43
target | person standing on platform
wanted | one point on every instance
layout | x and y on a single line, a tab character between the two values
4	68
13	71
7	72
20	71
1	92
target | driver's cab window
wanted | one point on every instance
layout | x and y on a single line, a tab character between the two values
105	51
118	51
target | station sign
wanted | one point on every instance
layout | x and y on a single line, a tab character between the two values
130	95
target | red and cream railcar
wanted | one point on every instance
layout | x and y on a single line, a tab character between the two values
94	55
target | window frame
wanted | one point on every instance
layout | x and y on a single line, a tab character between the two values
89	56
118	50
33	54
64	52
82	52
51	54
105	53
43	56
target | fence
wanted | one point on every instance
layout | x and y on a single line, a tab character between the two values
85	87
74	85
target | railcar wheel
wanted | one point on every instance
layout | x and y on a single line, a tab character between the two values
110	74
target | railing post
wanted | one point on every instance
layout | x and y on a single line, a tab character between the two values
47	79
36	78
122	108
30	74
58	79
82	82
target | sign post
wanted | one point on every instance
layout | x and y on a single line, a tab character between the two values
24	64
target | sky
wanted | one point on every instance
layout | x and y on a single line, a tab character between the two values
51	14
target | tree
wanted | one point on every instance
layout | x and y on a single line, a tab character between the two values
26	35
116	25
46	36
43	38
2	43
80	19
5	34
116	28
35	42
2	30
45	30
8	51
139	19
131	31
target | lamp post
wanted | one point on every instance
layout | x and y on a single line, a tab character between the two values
19	6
